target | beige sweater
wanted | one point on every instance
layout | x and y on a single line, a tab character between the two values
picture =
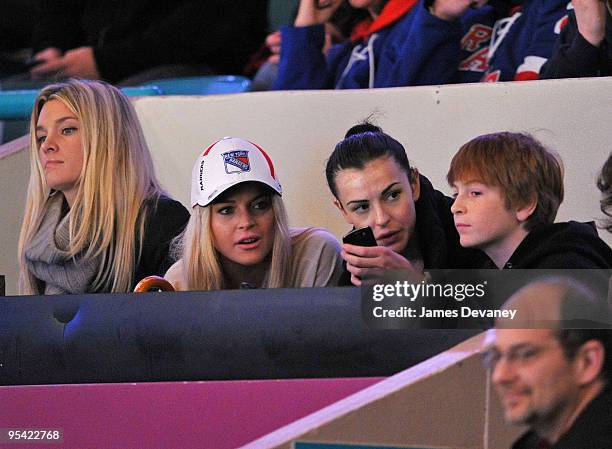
315	261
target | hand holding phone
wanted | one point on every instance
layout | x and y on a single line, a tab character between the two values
368	260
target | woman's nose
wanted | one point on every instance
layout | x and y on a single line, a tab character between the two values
48	144
245	219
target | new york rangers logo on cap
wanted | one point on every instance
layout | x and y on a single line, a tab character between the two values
236	161
226	163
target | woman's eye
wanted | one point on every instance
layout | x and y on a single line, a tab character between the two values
225	210
360	209
40	139
475	193
394	194
261	205
69	130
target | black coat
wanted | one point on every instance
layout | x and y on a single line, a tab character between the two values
574	57
165	220
570	245
592	429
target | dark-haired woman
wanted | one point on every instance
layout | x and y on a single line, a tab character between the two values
374	185
605	185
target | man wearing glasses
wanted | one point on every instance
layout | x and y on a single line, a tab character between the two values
554	380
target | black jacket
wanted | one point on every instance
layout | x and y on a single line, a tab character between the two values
438	237
592	429
165	220
570	245
133	35
574	57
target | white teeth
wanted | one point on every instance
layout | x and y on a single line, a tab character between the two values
248	240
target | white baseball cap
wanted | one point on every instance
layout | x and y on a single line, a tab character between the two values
228	162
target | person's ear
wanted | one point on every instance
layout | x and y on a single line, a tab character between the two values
415	185
589	361
525	211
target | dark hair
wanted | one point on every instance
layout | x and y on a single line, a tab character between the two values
363	143
604	183
579	298
572	339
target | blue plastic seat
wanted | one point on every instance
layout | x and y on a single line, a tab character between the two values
17	104
202	85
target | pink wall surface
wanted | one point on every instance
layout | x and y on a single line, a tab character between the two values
181	415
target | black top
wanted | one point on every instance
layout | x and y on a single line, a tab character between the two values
570	245
437	235
166	218
574	57
133	35
592	429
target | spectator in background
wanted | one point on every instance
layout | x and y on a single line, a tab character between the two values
585	45
338	29
509	40
403	43
605	185
551	378
96	219
238	236
424	42
138	40
508	188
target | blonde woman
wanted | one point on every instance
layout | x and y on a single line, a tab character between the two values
238	236
96	219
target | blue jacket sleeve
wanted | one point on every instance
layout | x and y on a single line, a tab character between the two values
429	52
302	63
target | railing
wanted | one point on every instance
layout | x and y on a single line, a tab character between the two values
217	335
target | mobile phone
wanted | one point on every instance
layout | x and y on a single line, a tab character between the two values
360	237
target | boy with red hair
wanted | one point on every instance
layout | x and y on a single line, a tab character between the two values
508	188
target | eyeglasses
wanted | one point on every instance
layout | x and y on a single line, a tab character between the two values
515	356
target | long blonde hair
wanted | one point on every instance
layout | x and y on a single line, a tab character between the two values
201	263
107	216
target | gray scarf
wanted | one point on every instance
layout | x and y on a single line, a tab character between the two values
47	258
